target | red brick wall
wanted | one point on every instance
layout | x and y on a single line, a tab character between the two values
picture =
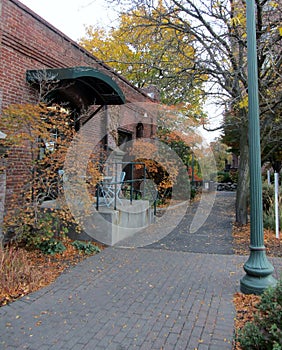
29	42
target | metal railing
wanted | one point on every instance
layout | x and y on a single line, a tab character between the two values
132	187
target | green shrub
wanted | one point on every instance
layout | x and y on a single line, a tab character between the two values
86	247
51	246
269	206
194	192
267	196
223	176
269	219
46	235
265	332
234	176
36	231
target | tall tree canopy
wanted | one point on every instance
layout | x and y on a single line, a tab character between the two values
148	54
215	32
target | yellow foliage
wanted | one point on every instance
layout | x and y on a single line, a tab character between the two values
274	4
44	133
244	102
165	60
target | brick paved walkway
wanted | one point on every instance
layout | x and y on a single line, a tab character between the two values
172	231
125	299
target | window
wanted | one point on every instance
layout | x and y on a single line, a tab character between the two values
139	130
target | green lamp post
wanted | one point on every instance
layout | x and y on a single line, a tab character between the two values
258	269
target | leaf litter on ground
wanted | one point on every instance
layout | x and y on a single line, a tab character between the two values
26	271
44	269
246	305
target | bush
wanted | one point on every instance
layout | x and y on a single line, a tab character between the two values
194	192
265	332
36	231
45	234
86	247
223	177
268	206
234	175
51	246
269	219
267	196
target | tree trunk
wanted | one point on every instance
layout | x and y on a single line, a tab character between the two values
242	194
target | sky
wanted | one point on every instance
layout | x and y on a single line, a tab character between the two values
71	17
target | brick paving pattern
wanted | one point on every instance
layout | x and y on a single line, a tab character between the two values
123	299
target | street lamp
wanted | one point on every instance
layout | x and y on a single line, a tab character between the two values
258	269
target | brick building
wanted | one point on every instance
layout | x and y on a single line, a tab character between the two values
33	51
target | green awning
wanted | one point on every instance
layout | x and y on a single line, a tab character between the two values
80	87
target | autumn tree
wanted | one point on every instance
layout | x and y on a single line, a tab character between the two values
221	153
38	137
165	61
217	32
146	55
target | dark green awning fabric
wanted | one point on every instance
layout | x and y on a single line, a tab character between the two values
79	86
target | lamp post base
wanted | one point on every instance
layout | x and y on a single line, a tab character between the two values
256	285
258	273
